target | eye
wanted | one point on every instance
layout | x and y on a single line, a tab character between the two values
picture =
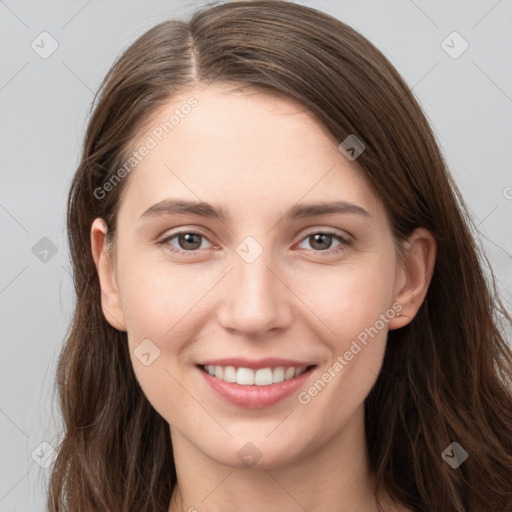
187	241
190	242
320	241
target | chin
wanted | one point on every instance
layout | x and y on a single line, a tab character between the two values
257	452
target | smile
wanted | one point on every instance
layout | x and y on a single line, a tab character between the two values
250	377
267	383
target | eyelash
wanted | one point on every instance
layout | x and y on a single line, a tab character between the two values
344	242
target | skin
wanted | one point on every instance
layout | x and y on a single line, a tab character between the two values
258	155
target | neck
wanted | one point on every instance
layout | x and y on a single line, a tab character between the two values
335	477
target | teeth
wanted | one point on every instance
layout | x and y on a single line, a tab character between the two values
250	377
278	374
229	374
219	372
245	376
289	373
263	377
297	372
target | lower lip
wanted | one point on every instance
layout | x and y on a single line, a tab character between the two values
255	397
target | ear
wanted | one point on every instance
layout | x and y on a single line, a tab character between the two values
414	275
110	299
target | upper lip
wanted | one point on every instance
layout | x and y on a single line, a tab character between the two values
268	362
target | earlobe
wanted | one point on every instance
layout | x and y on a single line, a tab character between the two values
110	299
416	274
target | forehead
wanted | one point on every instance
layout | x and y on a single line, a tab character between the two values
248	150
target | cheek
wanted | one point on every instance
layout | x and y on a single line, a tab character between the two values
349	298
164	304
159	311
355	309
157	298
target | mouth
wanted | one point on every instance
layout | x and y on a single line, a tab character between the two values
259	387
251	377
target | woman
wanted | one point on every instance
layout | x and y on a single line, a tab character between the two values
279	302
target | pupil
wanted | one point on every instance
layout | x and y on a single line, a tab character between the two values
188	239
324	238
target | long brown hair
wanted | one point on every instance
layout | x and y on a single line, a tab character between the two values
446	376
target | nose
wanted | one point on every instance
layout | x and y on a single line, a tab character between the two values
256	298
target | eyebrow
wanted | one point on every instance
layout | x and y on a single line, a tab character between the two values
207	210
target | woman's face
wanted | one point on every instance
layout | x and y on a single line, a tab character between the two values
274	283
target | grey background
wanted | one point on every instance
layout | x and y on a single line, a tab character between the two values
44	104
